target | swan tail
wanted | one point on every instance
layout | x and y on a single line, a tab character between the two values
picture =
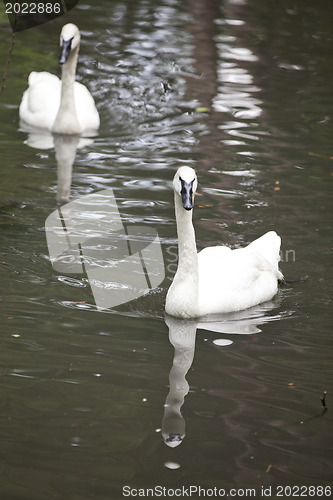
268	246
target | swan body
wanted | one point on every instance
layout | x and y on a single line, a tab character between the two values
217	279
60	106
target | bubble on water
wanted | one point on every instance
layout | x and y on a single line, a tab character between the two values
222	342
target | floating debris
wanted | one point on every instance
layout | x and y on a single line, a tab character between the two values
222	342
171	465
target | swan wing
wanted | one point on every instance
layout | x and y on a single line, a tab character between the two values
40	102
231	269
232	280
268	246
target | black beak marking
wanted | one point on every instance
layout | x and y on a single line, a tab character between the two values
186	194
65	50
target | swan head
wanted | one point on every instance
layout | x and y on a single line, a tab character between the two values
185	184
69	40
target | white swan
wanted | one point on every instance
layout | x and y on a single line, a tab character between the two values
217	279
60	106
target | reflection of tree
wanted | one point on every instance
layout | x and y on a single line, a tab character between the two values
204	87
203	29
209	151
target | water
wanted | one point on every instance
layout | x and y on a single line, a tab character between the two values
242	92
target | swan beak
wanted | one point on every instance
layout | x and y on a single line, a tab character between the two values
187	194
65	50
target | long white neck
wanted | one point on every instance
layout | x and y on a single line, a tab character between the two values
182	298
187	249
66	121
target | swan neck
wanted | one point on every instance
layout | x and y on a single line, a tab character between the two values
68	72
182	297
187	249
66	120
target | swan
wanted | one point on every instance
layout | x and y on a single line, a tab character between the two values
60	106
217	279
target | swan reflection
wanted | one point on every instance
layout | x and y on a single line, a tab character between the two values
182	335
45	140
65	152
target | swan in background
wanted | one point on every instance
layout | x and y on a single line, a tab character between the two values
60	106
217	279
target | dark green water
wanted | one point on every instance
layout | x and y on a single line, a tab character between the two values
241	91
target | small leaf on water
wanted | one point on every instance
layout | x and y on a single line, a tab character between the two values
201	109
